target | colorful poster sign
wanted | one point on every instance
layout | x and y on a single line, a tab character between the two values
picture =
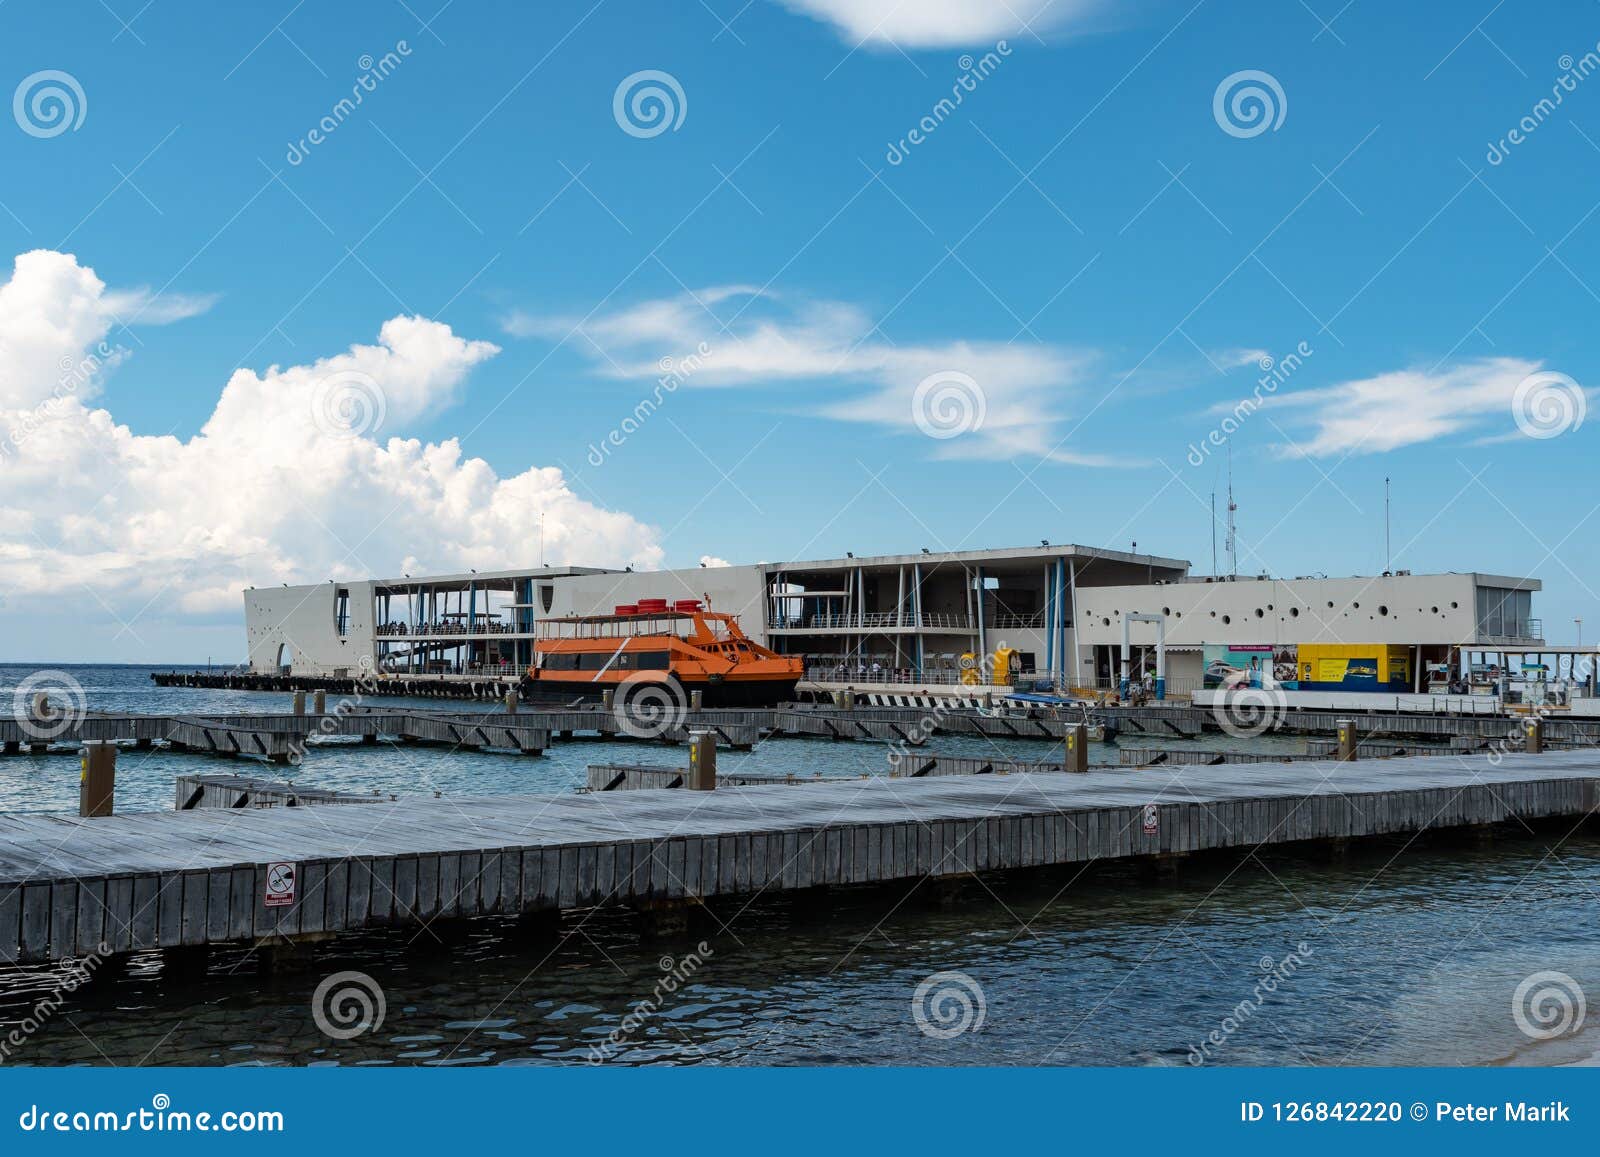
1238	665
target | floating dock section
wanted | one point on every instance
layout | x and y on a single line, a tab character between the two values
269	876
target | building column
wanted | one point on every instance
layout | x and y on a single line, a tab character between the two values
983	637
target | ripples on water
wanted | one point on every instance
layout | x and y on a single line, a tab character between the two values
1409	959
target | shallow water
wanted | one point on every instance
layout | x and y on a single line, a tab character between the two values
1395	956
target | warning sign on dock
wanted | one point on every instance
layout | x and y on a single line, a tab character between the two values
280	885
1152	823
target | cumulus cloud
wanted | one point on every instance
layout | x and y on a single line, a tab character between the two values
1405	407
712	560
299	474
1011	402
941	23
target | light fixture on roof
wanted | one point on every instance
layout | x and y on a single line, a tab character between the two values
1044	542
849	554
925	550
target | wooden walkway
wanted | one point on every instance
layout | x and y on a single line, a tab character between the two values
643	777
194	878
235	791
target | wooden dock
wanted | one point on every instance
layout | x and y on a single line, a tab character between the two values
236	791
643	777
189	879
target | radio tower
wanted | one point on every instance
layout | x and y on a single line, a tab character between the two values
1230	541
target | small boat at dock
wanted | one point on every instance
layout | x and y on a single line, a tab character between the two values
660	650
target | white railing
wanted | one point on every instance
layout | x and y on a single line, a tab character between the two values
873	620
433	630
902	676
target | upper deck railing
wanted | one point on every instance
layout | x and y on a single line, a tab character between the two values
893	620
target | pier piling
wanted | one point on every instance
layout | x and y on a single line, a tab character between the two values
702	761
1533	734
97	785
1348	747
298	702
1077	748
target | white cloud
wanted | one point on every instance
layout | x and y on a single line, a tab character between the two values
270	490
751	338
712	560
941	23
1405	407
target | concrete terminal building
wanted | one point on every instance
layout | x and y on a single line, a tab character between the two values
910	619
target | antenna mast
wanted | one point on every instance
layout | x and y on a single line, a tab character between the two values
1387	557
1231	541
1213	532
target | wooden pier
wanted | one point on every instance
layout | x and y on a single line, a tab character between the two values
642	777
191	879
236	791
278	738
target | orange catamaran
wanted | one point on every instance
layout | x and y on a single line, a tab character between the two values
677	648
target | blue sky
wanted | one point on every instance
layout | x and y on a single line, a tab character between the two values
1081	250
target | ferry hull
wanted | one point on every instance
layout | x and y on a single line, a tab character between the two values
745	693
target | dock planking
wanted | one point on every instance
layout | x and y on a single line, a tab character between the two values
194	878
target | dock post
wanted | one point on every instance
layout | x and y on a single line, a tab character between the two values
511	702
1076	748
299	703
319	702
1347	740
608	698
697	700
97	784
1533	734
702	761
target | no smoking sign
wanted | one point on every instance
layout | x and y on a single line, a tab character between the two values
280	884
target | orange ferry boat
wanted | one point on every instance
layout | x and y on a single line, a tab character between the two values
676	648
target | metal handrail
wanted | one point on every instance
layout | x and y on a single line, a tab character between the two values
872	619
